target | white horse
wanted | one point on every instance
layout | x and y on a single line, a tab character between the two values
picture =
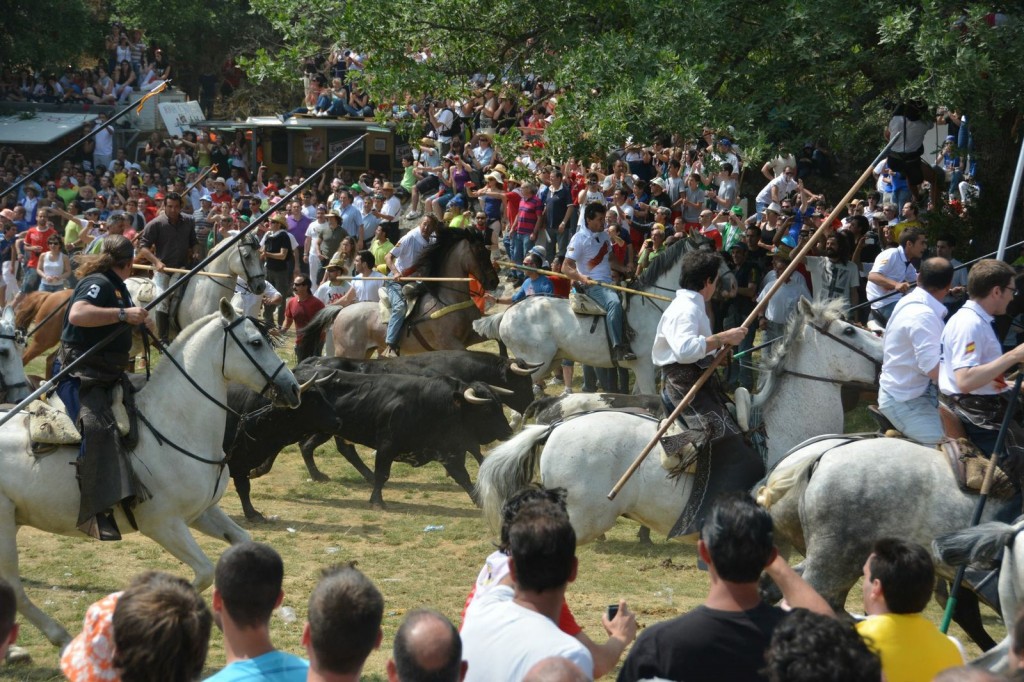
182	468
839	497
542	329
201	295
799	398
14	384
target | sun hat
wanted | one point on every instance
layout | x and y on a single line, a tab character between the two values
90	656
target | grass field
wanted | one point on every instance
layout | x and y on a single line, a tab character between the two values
317	524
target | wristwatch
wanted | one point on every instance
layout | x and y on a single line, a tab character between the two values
121	315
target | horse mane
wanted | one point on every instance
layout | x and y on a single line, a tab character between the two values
825	311
662	264
431	260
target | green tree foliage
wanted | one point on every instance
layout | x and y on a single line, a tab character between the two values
47	35
196	35
779	72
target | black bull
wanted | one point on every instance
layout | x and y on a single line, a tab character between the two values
405	418
513	376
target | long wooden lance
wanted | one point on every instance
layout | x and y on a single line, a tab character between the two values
751	318
606	285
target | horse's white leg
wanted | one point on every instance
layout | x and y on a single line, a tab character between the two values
215	523
173	535
9	572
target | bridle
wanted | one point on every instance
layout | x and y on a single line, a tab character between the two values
230	331
19	340
247	241
823	330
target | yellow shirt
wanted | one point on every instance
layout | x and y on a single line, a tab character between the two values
912	649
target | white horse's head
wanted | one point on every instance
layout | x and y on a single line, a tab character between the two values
13	382
243	260
819	343
248	358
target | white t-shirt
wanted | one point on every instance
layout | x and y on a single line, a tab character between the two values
330	293
783	303
785	186
367	287
409	248
502	640
251	302
586	246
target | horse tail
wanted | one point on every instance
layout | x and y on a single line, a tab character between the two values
488	325
312	343
979	544
507	469
28	308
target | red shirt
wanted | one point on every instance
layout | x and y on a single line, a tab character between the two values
512	200
37	237
301	312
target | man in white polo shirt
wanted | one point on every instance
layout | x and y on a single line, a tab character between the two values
972	373
907	393
894	271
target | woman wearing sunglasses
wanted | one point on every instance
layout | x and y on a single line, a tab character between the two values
54	266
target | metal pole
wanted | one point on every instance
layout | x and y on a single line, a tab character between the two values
51	382
137	105
986	486
751	318
1014	190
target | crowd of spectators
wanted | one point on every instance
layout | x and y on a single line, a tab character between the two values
517	625
129	65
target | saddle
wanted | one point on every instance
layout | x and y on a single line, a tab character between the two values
965	460
50	426
385	305
582	304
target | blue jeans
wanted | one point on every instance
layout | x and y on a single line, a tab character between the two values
67	391
521	246
609	300
918	418
398	306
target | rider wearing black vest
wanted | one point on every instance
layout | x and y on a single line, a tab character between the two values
100	306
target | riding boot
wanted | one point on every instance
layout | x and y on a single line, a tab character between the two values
411	291
163	326
623	352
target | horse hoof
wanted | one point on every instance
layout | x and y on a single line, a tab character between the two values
377	506
18	655
321	477
256	517
602	537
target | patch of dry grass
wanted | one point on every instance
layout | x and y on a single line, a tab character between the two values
318	524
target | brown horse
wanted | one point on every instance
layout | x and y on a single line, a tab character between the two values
443	316
41	315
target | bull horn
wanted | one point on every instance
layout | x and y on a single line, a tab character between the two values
326	378
306	386
525	369
500	391
473	398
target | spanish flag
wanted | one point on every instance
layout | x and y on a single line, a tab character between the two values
969	348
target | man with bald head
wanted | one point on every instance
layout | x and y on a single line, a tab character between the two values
427	649
908	384
555	669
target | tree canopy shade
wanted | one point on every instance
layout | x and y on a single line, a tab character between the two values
47	35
